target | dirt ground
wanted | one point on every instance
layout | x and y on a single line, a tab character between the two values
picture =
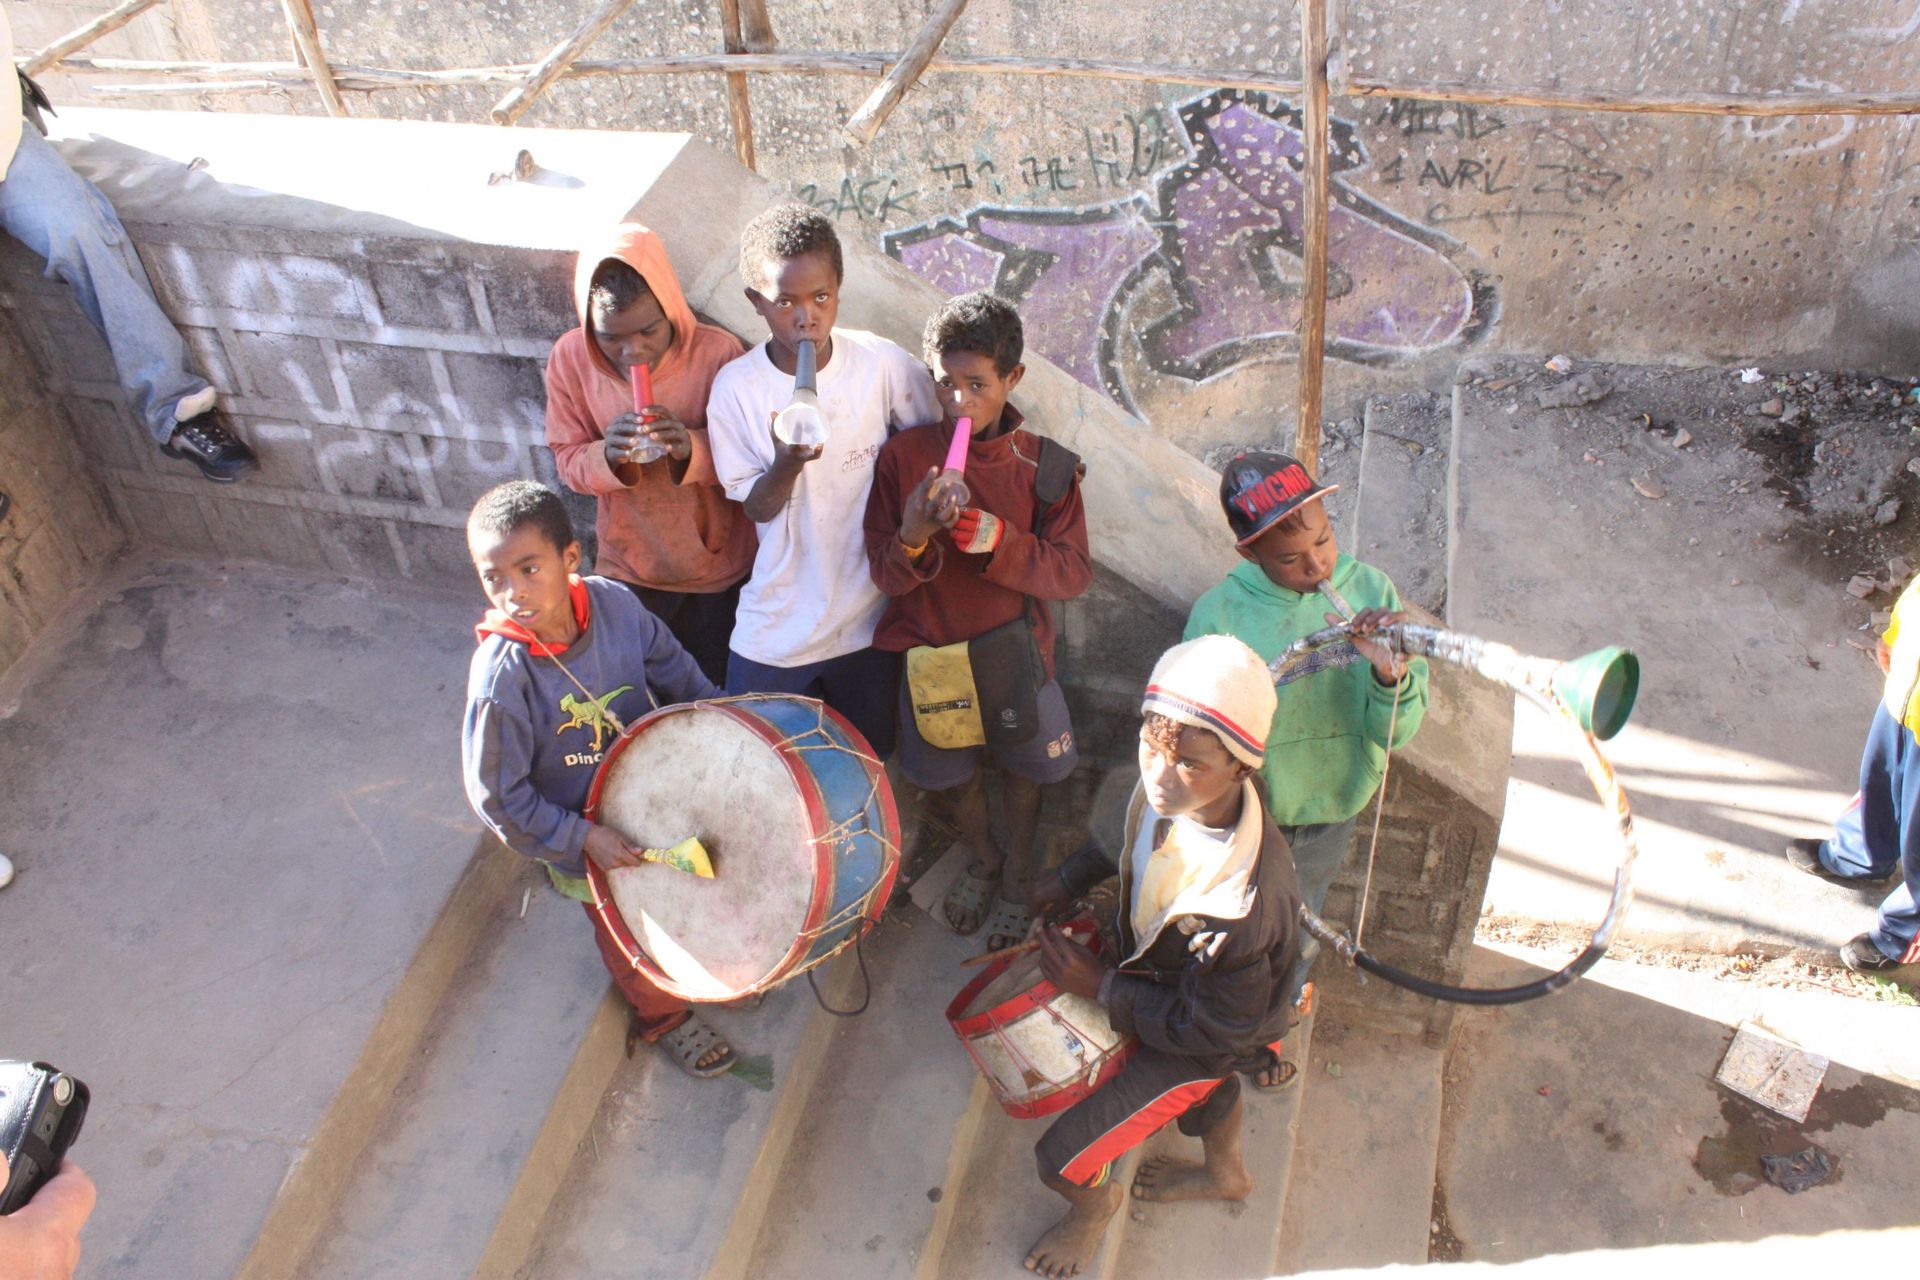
1837	454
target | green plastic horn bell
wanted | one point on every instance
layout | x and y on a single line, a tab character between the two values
1600	689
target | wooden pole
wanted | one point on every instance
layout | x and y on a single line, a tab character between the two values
739	105
1314	194
550	68
306	38
756	28
873	113
81	37
290	75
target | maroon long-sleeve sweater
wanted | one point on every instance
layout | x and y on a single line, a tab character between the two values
947	595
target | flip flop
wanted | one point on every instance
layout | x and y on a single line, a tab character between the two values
1008	925
1289	1076
693	1040
969	893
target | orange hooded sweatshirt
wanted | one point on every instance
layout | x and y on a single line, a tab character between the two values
653	532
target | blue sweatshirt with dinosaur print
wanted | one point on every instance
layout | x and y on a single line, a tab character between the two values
533	740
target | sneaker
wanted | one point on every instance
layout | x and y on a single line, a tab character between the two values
206	442
1803	854
1860	955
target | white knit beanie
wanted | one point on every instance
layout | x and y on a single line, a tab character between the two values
1216	683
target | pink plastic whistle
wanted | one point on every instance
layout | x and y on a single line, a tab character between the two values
957	451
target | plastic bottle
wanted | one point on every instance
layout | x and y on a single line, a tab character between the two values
801	422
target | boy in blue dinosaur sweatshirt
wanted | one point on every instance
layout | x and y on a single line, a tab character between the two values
564	662
1338	713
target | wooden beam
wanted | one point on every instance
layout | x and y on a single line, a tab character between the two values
306	38
1314	196
81	37
289	75
1696	104
739	104
873	113
550	68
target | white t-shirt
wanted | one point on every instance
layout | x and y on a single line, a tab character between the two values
811	596
10	121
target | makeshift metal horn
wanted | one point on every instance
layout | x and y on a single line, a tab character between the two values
1590	697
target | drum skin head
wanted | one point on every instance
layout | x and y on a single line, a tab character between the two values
709	775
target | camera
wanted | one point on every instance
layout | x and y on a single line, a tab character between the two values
41	1109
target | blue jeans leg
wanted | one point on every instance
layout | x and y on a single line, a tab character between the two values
66	220
1318	851
1866	839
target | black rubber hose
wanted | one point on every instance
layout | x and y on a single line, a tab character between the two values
1482	995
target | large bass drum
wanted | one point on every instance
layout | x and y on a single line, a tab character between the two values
794	811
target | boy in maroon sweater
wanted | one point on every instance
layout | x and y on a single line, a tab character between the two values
955	571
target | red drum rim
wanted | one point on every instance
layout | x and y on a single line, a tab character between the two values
814	808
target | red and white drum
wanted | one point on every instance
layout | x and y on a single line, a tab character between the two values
794	811
1041	1049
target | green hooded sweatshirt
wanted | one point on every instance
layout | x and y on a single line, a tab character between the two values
1329	735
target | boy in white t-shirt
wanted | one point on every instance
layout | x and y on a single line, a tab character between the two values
807	613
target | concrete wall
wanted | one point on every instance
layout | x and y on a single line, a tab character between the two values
1149	232
59	531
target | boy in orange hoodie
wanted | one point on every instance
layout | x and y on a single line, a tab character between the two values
666	529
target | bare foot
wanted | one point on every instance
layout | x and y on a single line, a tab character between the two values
1068	1246
1164	1178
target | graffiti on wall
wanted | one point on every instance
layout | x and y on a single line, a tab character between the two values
1220	231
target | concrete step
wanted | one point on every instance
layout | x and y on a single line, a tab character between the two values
1400	515
865	1173
1215	1240
446	1158
1364	1157
673	1176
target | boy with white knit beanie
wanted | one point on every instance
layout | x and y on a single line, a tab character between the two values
1206	934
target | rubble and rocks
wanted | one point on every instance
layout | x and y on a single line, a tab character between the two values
1862	585
1581	389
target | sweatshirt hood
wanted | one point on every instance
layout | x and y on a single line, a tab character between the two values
643	250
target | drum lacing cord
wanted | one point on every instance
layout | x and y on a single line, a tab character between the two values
1379	808
866	984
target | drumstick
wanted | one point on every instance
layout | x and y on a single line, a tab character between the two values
1018	948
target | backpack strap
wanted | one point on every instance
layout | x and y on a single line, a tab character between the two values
1056	471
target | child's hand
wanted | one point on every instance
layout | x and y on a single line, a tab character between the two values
926	511
1388	666
977	531
1048	895
669	431
1883	655
791	457
623	433
608	849
1068	965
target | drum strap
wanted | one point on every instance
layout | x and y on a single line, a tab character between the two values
614	720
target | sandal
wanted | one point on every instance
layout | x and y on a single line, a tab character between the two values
693	1040
1289	1076
1009	924
969	896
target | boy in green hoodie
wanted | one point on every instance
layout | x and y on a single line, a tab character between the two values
1339	712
